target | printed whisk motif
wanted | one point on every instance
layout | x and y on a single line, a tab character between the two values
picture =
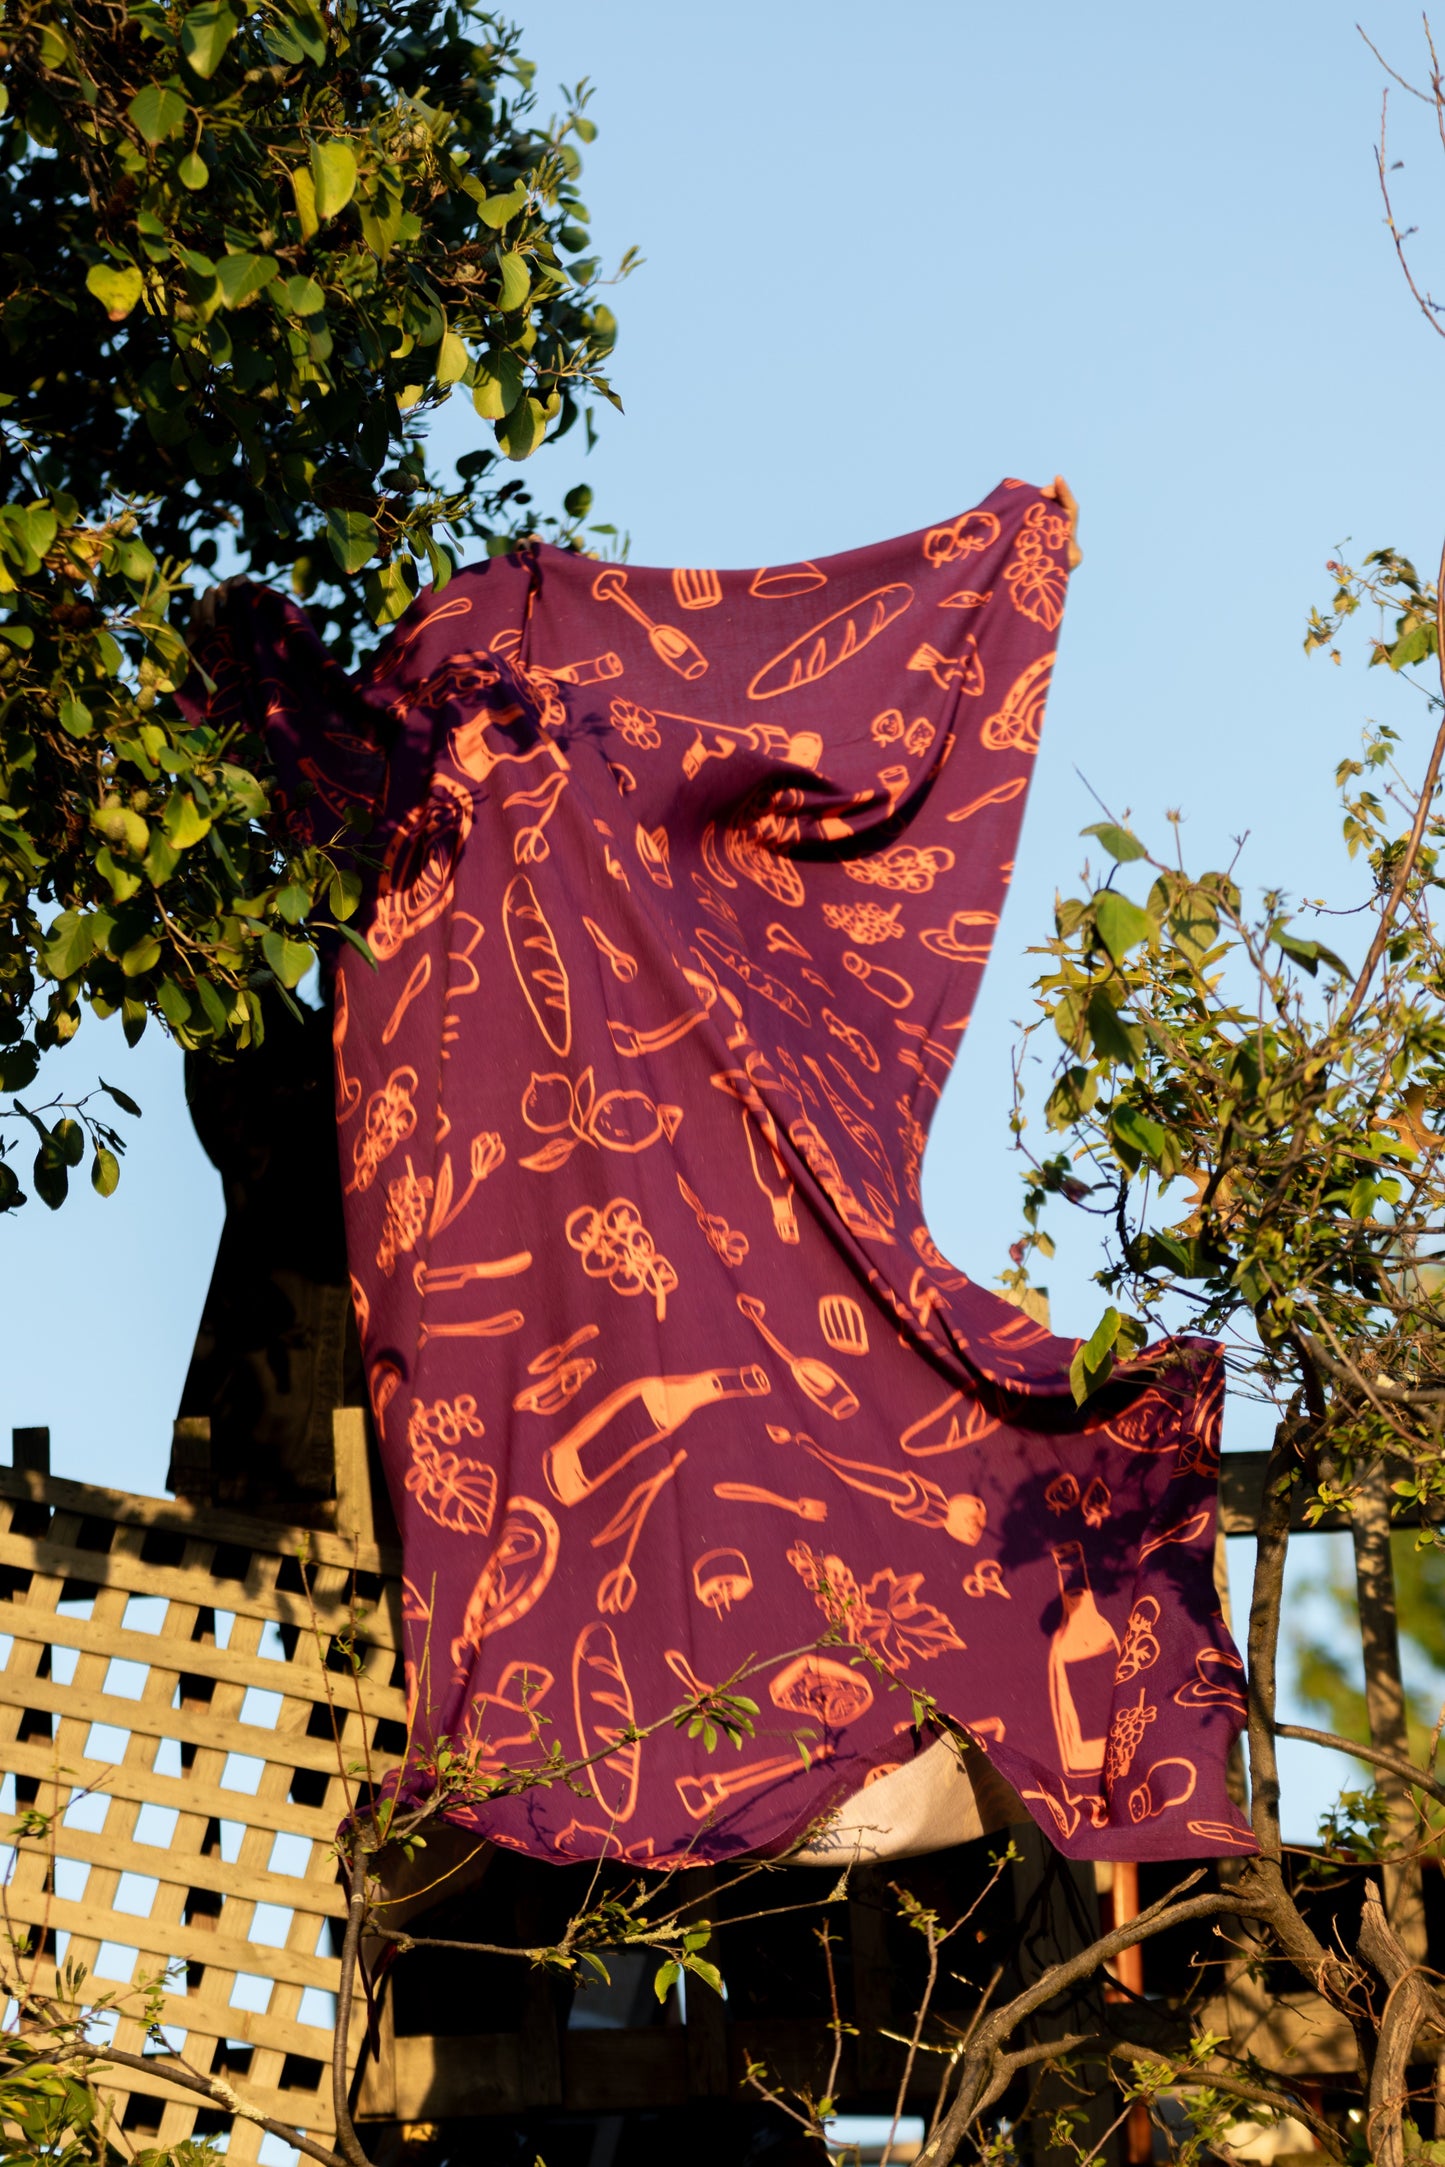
684	884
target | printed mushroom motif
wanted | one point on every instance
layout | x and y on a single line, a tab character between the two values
721	1578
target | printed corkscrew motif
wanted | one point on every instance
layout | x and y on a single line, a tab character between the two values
668	643
824	1387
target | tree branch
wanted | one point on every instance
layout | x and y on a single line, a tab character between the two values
1422	814
216	2090
1406	1770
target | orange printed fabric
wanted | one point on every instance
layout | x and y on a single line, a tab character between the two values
680	886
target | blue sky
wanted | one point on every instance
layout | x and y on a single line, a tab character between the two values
893	256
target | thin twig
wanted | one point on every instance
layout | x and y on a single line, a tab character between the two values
1422	815
1417	1778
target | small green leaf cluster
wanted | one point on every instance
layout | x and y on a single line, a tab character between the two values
1256	1123
731	1715
251	249
688	1959
51	2114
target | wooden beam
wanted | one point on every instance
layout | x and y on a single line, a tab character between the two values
1241	1493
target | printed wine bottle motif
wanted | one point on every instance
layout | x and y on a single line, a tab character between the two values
634	1416
1083	1656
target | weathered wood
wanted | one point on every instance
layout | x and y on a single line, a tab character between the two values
30	1450
87	1547
269	1674
214	1522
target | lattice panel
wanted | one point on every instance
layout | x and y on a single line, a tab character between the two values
174	1701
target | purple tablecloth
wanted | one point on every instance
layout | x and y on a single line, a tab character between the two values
684	885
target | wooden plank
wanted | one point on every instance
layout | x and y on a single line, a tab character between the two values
115	1780
252	2027
63	1561
1299	2035
304	2110
269	1674
209	1523
255	1741
440	2079
191	1944
292	1892
1241	1494
612	2072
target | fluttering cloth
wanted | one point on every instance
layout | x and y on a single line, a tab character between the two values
683	885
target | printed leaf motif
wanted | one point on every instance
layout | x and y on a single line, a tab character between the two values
898	1625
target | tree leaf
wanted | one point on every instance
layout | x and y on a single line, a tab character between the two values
515	282
1121	924
205	34
362	947
352	536
183	821
1114	1040
1141	1137
141	957
290	960
69	944
158	112
18	1065
523	429
451	359
51	1177
122	1099
193	172
333	171
12	1196
303	188
69	1139
1308	954
104	1172
1120	844
499	211
499	384
344	893
299	296
117	288
242	277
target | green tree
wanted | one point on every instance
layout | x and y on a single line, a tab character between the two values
251	247
1330	1684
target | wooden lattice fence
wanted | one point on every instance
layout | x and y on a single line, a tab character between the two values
178	1710
177	1705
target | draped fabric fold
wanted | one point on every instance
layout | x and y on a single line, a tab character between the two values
681	884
